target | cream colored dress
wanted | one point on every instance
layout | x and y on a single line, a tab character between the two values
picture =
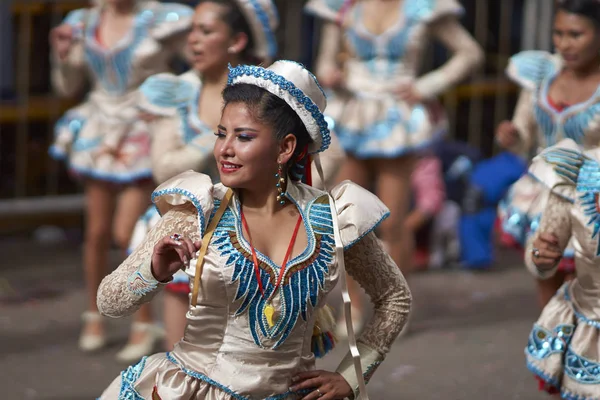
564	344
109	118
540	125
370	120
229	351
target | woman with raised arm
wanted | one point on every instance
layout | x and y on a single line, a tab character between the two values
562	350
114	45
185	110
270	250
560	98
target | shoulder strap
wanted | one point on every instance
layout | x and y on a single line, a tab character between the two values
205	241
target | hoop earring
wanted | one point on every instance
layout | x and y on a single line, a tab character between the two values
280	182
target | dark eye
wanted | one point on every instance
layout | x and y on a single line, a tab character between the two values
219	135
244	138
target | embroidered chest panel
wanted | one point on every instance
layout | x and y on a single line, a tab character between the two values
392	44
573	123
584	173
303	283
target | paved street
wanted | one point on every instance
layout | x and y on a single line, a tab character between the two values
468	333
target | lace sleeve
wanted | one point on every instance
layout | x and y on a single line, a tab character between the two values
467	56
132	284
556	219
369	264
524	120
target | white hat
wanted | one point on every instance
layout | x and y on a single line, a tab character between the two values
263	19
298	87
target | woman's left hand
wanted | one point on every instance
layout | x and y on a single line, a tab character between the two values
326	385
409	93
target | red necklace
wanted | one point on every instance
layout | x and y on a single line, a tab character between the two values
269	310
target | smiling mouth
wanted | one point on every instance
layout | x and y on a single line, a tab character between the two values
229	167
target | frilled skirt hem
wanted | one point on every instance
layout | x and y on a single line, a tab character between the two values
563	350
162	377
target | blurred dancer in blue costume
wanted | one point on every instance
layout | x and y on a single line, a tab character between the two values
384	111
185	112
257	317
560	98
114	45
562	350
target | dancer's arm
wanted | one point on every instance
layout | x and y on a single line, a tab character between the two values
555	221
133	283
369	264
328	69
467	56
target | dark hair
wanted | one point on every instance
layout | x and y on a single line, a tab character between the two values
275	112
586	8
235	19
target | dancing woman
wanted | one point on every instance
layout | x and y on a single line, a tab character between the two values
117	44
560	98
272	249
185	112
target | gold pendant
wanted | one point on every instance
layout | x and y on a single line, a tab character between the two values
269	313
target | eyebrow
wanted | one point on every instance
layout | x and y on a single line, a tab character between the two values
240	129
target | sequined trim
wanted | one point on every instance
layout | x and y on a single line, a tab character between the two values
542	342
128	379
139	285
589	187
270	76
303	282
581	369
191	197
368	374
542	375
227	390
375	225
266	27
167	91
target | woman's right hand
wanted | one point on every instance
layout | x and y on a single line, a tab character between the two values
170	254
507	134
61	40
331	78
545	252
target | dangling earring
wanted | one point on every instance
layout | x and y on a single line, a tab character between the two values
280	182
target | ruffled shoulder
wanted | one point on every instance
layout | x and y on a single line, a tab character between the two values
559	168
433	10
167	19
163	94
530	68
187	188
329	10
359	212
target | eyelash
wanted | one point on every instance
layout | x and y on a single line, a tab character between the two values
242	138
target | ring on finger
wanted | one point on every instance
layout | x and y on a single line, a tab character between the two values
319	392
535	252
176	237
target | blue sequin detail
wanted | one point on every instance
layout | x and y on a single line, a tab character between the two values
128	379
263	17
112	68
139	285
542	342
588	185
195	201
352	243
533	66
299	290
270	76
227	390
168	91
581	369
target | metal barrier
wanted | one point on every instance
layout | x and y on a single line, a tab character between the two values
486	90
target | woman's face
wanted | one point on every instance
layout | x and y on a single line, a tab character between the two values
210	38
246	151
577	40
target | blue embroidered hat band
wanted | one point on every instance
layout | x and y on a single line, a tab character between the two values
298	87
263	19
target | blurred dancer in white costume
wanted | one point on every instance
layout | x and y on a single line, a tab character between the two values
383	111
114	45
185	111
560	98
